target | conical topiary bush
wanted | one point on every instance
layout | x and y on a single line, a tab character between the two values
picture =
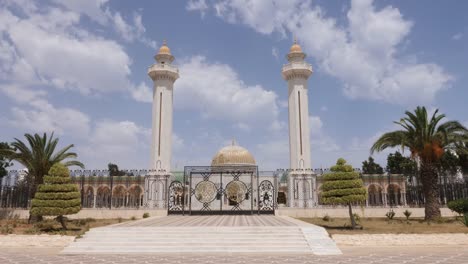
57	196
343	186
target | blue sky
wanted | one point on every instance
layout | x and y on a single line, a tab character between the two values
78	68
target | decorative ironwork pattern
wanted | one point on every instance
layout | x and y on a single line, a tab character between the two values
176	198
205	191
236	191
266	192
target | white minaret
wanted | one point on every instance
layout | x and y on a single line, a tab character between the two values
296	73
163	75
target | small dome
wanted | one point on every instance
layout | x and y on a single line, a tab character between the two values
295	48
233	155
164	49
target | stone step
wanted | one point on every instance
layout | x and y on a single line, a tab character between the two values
302	237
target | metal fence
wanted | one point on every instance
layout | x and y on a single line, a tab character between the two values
98	189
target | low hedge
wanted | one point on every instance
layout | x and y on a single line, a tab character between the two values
460	206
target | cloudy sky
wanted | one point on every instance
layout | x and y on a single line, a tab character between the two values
78	68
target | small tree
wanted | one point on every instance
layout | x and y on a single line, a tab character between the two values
57	196
343	186
370	167
4	162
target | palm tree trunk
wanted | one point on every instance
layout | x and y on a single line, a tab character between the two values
431	191
351	216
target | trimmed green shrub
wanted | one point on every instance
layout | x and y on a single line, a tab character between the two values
343	186
146	215
57	196
459	206
465	219
407	214
390	214
326	218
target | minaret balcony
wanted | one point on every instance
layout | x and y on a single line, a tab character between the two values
302	69
159	70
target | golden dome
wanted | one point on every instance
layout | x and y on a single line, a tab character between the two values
164	49
233	155
295	48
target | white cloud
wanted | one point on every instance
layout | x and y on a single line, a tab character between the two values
275	52
274	153
119	142
37	115
197	5
100	12
47	49
364	55
216	91
319	140
92	8
457	36
142	93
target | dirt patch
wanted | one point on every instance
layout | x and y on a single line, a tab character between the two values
52	227
395	226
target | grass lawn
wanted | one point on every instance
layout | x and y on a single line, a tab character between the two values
395	226
52	227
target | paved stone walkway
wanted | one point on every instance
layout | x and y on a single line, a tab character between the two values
209	220
352	255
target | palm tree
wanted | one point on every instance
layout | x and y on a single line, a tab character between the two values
39	156
427	140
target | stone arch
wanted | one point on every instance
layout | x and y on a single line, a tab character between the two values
135	196
394	194
88	196
103	195
374	194
119	196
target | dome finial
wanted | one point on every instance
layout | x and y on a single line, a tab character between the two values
233	142
295	48
164	48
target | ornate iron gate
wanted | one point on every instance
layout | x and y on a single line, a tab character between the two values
266	197
176	197
221	190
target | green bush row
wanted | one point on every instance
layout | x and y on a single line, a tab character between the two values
54	210
56	203
58	188
56	196
344	192
341	176
460	205
56	179
344	199
331	185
